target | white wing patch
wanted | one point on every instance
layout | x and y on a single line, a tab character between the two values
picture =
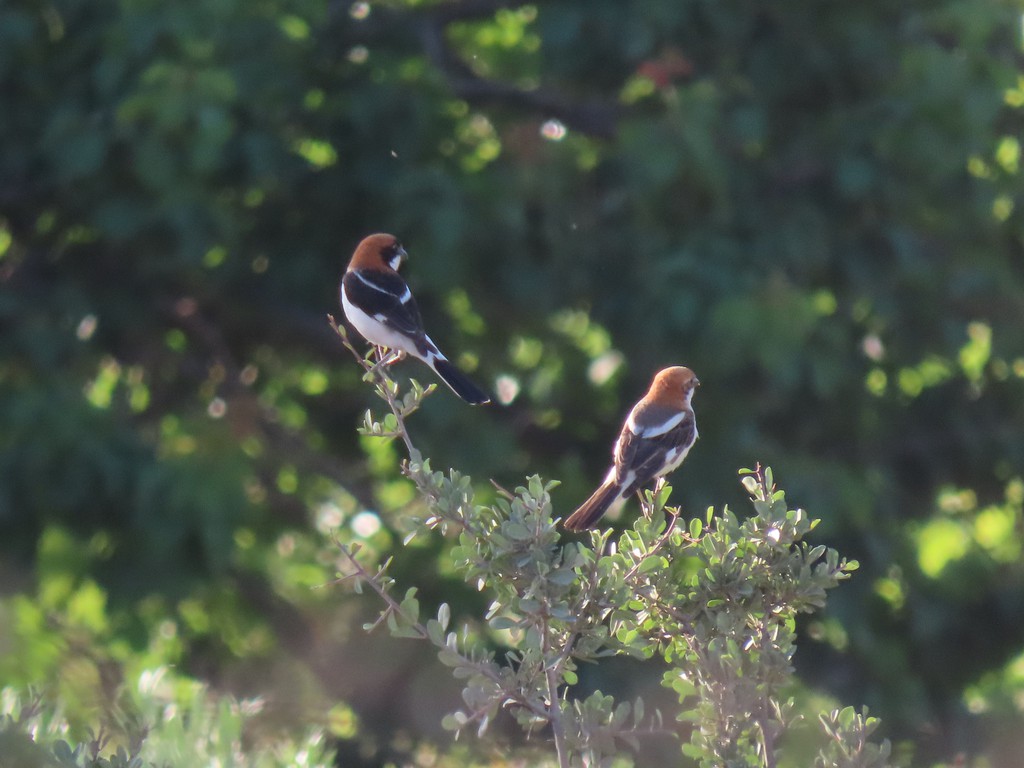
370	284
433	353
654	429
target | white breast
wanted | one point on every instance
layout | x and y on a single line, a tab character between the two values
374	331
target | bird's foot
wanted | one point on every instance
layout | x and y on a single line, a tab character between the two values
387	356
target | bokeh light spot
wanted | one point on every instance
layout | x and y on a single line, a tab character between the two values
365	524
553	130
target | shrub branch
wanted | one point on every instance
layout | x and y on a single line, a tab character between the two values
716	598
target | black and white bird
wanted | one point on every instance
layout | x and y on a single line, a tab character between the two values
659	432
378	303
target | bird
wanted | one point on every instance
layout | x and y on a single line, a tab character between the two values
379	304
658	434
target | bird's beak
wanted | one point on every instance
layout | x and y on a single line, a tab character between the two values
696	381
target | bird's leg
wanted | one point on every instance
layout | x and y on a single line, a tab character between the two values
388	356
385	357
644	508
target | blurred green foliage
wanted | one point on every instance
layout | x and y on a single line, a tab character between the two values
818	208
168	722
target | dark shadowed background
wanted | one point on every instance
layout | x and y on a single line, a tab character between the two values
816	206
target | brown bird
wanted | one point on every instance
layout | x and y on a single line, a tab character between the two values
656	437
378	302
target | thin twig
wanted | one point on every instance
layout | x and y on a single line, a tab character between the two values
581	617
554	714
394	607
384	384
767	732
374	581
594	118
413	467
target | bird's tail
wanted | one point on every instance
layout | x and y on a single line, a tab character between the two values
603	499
455	378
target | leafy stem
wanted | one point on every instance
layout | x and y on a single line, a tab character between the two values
554	709
374	365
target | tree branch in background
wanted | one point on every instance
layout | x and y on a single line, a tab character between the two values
593	118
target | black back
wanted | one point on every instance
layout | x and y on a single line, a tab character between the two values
646	455
379	294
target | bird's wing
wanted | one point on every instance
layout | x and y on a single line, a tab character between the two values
646	456
386	298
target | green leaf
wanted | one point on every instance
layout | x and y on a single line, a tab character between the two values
562	576
410	607
454	721
517	531
662	498
435	633
651	563
406	632
503	622
536	487
693	751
